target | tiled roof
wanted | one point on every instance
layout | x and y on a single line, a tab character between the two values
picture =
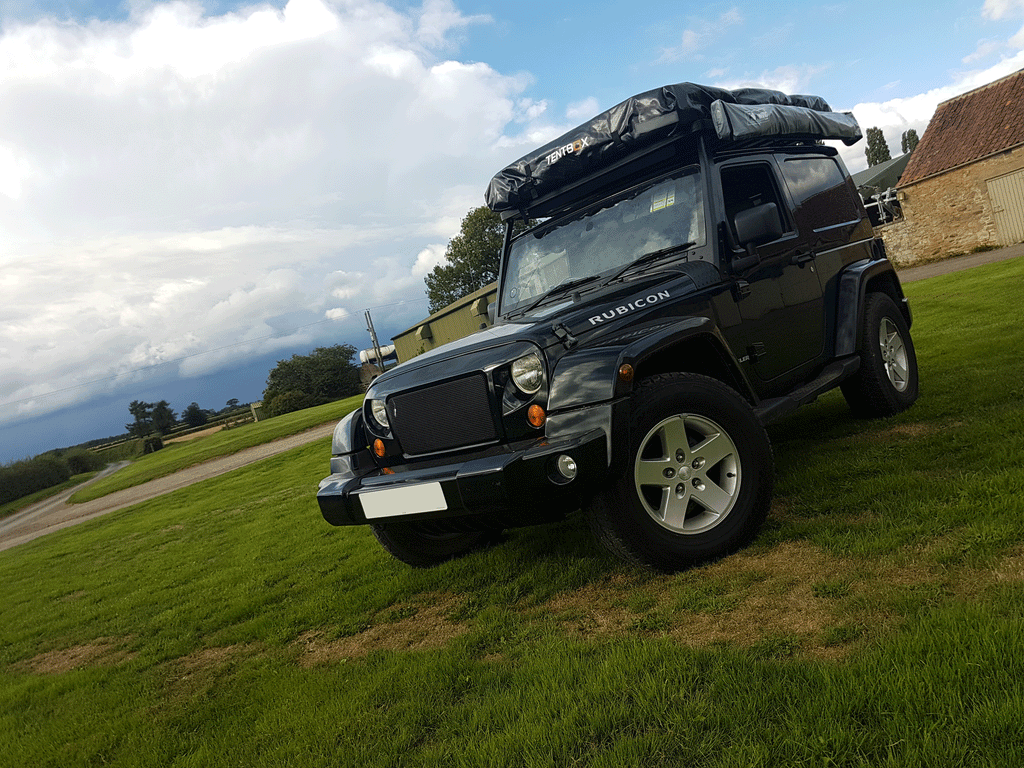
969	127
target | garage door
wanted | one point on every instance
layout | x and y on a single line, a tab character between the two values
1007	196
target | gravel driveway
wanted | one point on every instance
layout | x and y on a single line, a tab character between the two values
55	513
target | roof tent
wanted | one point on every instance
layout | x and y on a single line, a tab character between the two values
655	118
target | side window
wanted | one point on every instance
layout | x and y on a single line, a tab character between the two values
747	186
819	191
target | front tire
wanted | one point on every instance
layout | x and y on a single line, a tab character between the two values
699	479
423	545
886	382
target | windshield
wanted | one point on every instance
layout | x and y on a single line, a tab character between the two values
652	217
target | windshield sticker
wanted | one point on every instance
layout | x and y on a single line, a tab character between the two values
663	198
643	301
575	148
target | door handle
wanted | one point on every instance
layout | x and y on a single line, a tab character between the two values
802	258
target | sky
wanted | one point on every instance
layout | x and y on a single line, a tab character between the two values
190	192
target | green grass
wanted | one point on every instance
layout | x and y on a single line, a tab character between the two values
178	456
876	622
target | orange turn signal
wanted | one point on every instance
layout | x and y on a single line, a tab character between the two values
626	373
378	448
536	416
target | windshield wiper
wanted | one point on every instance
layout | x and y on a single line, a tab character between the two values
559	289
647	258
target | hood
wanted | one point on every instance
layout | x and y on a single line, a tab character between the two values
598	314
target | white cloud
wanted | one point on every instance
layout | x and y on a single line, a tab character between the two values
1000	9
788	78
428	258
438	18
985	48
531	110
182	185
700	36
579	111
997	10
731	17
13	171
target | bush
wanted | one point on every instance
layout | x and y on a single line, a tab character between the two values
126	450
30	475
79	461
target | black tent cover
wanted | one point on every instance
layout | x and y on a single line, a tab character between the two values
669	112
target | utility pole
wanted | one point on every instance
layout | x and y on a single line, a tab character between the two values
373	338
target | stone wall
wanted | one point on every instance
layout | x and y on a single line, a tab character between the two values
948	214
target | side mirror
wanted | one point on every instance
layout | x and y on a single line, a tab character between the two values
756	226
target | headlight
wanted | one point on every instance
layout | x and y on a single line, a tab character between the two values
528	373
380	414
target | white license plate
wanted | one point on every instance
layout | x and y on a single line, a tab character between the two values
404	500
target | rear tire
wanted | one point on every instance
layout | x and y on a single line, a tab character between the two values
887	381
422	545
699	479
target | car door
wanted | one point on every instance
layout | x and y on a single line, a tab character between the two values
828	214
779	297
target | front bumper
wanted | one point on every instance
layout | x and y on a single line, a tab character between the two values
518	487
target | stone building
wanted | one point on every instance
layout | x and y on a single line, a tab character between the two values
963	189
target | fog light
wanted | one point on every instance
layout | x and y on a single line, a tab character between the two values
566	466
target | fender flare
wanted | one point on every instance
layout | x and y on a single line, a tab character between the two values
588	376
853	284
349	436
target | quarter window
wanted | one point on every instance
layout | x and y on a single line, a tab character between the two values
819	192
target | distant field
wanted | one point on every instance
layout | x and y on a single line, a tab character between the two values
177	456
876	621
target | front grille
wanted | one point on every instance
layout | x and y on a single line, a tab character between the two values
443	417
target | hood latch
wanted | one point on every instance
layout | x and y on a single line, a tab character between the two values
568	340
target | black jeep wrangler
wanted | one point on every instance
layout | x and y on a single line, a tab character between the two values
703	265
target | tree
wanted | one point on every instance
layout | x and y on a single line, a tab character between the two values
232	403
194	416
288	401
908	141
143	414
877	150
163	417
472	258
326	374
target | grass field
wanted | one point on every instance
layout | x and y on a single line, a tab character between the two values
876	621
178	456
